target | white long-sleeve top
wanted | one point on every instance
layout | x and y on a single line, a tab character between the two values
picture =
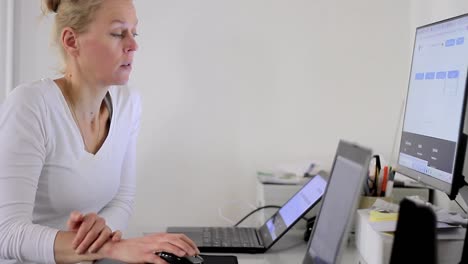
46	173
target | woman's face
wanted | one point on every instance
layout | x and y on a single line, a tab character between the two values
107	48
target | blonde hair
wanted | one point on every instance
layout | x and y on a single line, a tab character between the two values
76	14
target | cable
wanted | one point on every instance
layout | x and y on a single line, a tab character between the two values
463	209
258	209
236	202
397	132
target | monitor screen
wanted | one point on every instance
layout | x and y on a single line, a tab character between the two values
435	103
340	200
293	209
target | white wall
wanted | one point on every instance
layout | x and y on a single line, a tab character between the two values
35	56
232	86
428	11
3	23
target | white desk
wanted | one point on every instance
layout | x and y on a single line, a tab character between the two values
291	248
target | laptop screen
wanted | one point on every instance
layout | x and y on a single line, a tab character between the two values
293	210
338	205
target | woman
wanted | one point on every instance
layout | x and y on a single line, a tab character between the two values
67	156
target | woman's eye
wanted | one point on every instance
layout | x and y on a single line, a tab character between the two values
117	35
135	34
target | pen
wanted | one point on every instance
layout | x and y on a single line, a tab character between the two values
376	180
380	182
391	172
366	187
384	181
391	177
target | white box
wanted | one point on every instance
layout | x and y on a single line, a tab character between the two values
376	247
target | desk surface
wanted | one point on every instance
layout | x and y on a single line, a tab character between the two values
291	248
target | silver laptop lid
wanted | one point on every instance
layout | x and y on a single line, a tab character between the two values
349	170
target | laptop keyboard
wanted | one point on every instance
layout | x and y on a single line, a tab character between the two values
229	237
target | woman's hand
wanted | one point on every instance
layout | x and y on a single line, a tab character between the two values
92	232
143	249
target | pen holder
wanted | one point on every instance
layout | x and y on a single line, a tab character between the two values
368	201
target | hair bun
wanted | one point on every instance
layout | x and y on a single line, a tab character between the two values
53	5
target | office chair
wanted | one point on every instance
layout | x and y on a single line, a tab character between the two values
415	235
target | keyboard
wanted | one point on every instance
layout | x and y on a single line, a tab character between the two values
230	237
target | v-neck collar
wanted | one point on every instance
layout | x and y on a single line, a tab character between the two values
77	130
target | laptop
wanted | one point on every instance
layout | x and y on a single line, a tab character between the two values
257	240
345	185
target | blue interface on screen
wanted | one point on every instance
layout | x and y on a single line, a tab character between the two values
435	99
296	206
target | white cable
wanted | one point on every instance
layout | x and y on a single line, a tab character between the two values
397	131
229	220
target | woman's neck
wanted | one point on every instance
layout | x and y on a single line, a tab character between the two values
86	98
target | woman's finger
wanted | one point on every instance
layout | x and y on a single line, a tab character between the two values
74	220
183	242
153	258
86	224
92	235
170	248
116	236
189	241
88	232
101	240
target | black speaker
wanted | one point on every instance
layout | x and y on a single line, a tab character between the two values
415	235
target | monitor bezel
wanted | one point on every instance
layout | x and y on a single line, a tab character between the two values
451	189
359	155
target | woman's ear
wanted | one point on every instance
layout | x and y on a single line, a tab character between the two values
69	41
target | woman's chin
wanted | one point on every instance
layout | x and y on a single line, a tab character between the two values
121	83
122	80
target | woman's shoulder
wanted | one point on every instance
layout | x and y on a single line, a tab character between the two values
126	97
35	87
31	93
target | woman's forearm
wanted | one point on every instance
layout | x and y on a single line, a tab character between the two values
64	252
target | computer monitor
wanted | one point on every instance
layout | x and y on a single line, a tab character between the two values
433	140
329	235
